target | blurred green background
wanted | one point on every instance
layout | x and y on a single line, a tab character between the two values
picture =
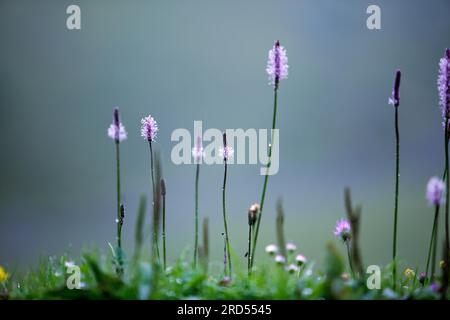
205	60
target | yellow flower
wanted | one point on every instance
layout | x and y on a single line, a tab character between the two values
442	264
409	273
3	275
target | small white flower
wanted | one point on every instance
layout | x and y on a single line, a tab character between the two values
271	249
279	259
292	268
300	259
291	247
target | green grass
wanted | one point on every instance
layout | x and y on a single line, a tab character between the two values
330	280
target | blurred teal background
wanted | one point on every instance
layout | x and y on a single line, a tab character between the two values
205	60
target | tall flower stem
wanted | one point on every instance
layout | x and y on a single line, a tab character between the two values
155	233
434	254
350	263
119	227
397	176
266	178
432	247
197	174
227	239
163	194
249	250
435	239
447	240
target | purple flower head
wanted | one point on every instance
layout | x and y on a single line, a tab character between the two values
116	130
277	64
435	191
149	128
434	287
394	99
422	277
197	150
227	151
444	85
342	229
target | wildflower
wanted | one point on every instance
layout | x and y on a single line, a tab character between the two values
435	196
116	130
409	273
300	259
444	84
277	65
345	276
279	259
292	268
69	264
422	278
394	99
435	191
226	151
434	287
271	249
197	153
342	229
277	69
291	247
197	150
225	281
3	275
149	128
253	214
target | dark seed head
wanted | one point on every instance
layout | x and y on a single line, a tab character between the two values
253	214
116	116
163	187
122	214
224	140
398	76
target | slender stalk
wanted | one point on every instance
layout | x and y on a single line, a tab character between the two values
432	240
227	239
119	227
197	173
155	233
447	240
266	178
249	251
435	238
224	256
397	176
205	248
350	263
163	193
155	259
434	254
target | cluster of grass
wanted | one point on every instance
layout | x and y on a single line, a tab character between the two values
269	280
